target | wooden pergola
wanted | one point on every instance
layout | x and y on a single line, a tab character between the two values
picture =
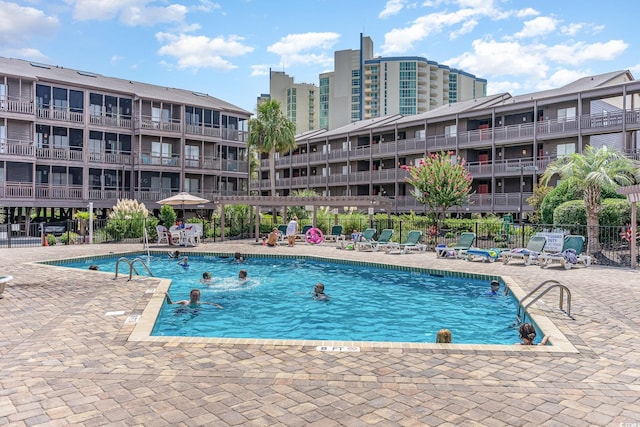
371	203
633	196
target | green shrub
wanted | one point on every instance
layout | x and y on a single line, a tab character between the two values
68	238
51	239
127	220
571	212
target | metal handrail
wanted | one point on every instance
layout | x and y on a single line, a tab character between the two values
554	284
132	269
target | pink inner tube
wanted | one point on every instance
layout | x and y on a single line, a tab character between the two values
314	236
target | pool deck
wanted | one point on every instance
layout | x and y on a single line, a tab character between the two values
66	358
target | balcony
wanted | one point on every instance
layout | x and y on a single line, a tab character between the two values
213	132
152	123
203	163
97	194
60	115
154	159
234	166
17	148
111	158
13	104
59	154
118	122
62	192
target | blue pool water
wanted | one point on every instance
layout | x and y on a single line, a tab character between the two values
367	303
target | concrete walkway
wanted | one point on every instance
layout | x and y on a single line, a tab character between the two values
63	361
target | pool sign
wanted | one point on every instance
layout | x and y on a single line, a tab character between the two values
331	348
555	241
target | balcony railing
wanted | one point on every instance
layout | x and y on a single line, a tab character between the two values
152	159
60	115
16	147
18	190
13	104
149	123
60	192
112	121
111	158
59	153
203	163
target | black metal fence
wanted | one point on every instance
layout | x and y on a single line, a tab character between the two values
614	243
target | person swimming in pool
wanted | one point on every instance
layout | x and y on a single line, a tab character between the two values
206	278
184	263
527	334
193	301
495	288
237	257
318	293
174	254
242	275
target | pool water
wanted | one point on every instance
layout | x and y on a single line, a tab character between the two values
367	303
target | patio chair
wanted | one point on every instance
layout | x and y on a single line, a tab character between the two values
411	243
163	234
534	248
374	245
335	235
465	241
570	255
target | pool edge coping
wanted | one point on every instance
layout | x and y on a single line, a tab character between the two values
143	326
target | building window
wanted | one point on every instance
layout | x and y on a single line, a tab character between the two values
567	114
564	150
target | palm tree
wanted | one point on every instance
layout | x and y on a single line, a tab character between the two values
271	132
591	171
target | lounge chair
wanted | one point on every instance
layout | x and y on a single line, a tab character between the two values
367	236
571	254
303	234
465	241
335	235
282	229
373	245
483	255
411	243
534	248
3	281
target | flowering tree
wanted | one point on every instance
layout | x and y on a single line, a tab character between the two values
440	182
126	219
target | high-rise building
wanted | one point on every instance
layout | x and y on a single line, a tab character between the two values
298	101
362	86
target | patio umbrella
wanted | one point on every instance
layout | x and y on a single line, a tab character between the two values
182	199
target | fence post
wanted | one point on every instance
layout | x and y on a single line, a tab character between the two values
400	226
214	230
9	234
522	235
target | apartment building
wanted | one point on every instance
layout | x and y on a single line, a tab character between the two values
507	142
70	137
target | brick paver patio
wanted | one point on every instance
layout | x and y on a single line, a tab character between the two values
63	361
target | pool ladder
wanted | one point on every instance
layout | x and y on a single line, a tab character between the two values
550	284
132	268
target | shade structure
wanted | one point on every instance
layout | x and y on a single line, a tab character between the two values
182	199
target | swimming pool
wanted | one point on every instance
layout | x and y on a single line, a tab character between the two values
367	303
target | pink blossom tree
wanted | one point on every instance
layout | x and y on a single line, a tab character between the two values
440	181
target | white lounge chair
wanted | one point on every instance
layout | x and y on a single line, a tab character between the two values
534	248
571	254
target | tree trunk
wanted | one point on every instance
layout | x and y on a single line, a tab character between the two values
592	206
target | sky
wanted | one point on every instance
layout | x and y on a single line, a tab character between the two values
225	48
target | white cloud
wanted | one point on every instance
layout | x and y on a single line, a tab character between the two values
581	52
496	87
540	26
635	69
206	6
19	24
523	13
296	48
561	78
392	7
466	28
129	12
115	59
26	53
194	52
259	70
